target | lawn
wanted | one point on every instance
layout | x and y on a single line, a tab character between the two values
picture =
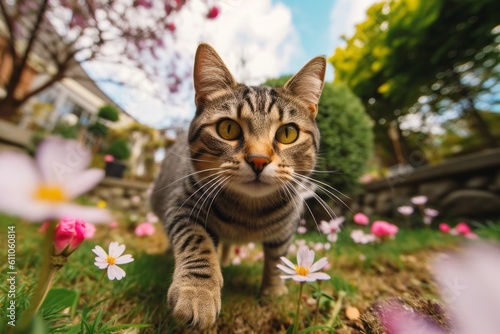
363	273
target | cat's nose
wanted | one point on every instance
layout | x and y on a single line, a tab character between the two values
258	162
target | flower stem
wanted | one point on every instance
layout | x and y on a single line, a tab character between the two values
97	287
47	274
296	321
316	312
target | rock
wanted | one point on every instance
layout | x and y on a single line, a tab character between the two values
437	189
477	182
384	204
117	191
368	210
370	199
103	193
471	203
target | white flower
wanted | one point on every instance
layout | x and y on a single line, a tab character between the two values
331	228
112	259
431	212
405	210
419	200
41	189
359	237
305	270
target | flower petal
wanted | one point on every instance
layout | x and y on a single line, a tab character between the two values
99	251
288	262
115	272
305	257
318	264
127	258
319	276
101	265
286	269
60	160
115	249
85	181
299	278
88	214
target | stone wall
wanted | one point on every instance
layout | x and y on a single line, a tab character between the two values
123	195
467	186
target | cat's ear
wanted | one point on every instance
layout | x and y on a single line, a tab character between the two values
210	73
307	84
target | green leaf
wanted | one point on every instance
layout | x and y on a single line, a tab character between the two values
290	329
59	299
38	326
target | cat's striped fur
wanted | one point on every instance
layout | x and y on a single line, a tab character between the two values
213	190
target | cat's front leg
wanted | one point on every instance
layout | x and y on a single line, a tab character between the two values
195	293
272	284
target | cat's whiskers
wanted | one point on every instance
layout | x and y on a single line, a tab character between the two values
223	185
323	204
206	187
186	157
186	176
323	186
290	195
215	176
216	187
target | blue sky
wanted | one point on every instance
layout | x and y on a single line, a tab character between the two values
274	37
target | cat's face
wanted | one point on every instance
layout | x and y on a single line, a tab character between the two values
253	140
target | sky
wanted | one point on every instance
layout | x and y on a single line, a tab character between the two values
274	37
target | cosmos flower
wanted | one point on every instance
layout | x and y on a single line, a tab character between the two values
305	270
405	210
112	259
419	200
331	228
41	189
468	283
145	229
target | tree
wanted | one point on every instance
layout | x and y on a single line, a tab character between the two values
346	140
55	36
443	50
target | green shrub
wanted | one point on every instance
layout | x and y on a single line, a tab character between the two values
109	112
119	149
98	129
346	136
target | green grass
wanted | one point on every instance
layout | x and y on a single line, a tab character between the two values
140	298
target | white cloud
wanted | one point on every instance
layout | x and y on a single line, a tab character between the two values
344	15
258	32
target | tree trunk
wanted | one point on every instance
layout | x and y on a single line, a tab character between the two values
8	108
480	126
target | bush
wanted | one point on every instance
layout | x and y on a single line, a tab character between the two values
109	113
119	149
98	130
346	136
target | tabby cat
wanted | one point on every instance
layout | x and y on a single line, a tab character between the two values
236	177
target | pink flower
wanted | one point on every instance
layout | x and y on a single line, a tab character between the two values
419	200
301	229
171	26
463	228
109	158
151	218
383	229
144	229
113	225
213	13
90	231
361	219
445	228
69	234
405	210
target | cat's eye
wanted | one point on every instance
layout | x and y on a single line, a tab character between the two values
287	133
229	129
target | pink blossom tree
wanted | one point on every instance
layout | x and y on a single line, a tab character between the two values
55	36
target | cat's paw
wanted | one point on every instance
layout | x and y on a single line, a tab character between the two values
274	290
198	306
